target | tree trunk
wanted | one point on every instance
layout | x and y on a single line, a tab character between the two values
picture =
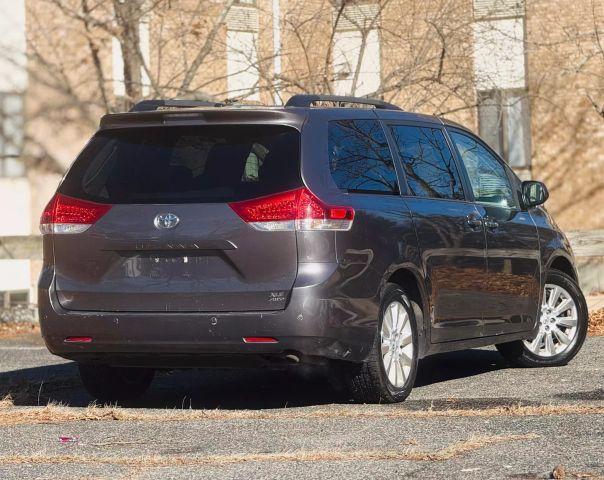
128	16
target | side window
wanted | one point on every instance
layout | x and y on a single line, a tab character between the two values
359	157
428	162
488	177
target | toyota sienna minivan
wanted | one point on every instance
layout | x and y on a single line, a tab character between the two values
332	231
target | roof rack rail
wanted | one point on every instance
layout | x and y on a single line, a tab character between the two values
152	105
308	100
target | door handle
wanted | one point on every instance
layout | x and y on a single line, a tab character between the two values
474	223
490	223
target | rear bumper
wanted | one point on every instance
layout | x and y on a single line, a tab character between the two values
316	325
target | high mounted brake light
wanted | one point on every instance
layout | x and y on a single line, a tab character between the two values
65	214
296	209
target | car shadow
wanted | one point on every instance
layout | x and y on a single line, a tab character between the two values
232	389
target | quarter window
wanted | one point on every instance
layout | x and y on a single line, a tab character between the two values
428	162
359	157
488	177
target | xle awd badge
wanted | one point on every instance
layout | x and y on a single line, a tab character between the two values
166	220
276	297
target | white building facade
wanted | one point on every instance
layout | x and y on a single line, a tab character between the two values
15	190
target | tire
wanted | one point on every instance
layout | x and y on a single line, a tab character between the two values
519	354
111	384
368	382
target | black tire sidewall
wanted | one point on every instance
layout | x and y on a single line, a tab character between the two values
394	394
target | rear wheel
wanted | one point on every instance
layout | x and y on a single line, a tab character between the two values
388	374
562	327
110	384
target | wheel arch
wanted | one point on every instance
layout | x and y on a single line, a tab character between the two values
412	284
563	264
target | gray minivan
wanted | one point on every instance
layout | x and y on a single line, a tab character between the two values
333	231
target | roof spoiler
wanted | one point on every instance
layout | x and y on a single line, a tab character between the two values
153	105
340	101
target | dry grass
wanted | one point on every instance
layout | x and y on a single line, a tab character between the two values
58	414
447	453
596	323
7	401
15	329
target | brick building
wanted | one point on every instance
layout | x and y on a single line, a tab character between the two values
528	75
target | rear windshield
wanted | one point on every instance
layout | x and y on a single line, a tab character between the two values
187	164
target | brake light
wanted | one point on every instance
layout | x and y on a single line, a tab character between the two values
70	215
296	209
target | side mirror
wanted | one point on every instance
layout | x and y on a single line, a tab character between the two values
534	193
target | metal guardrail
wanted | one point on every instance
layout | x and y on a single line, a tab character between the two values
21	247
588	243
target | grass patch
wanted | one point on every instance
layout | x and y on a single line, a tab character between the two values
452	451
58	414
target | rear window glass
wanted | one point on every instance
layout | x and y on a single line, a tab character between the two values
359	157
187	164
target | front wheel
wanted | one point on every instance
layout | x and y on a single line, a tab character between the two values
388	374
562	327
110	384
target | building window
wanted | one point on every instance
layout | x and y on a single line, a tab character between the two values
15	298
243	77
500	77
11	135
504	123
242	60
15	278
356	50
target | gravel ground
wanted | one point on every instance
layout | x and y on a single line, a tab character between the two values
292	425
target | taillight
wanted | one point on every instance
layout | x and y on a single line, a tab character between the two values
70	215
296	209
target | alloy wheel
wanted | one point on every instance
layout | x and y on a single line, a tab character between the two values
557	323
397	344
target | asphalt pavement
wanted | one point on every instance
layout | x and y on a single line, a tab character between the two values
470	416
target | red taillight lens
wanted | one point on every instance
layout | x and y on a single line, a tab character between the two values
281	207
78	340
260	340
70	215
296	209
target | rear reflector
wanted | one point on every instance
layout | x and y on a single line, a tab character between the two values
296	209
70	215
260	340
78	339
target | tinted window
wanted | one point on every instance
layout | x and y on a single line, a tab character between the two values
488	177
185	164
359	157
428	162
